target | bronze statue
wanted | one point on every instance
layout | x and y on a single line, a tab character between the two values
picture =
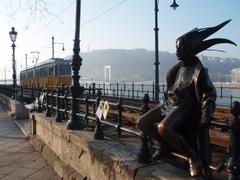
190	98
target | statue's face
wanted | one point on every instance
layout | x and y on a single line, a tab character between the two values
183	50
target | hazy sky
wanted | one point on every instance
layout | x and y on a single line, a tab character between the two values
125	24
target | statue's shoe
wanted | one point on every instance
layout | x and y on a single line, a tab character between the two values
195	166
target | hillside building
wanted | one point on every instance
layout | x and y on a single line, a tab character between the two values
235	75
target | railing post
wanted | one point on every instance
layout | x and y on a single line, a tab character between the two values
52	99
145	107
221	91
58	101
32	93
16	97
89	89
39	110
144	154
122	94
87	109
124	88
133	90
104	88
21	98
153	91
163	88
48	111
233	164
113	92
98	133
93	90
94	95
231	97
66	94
119	125
117	89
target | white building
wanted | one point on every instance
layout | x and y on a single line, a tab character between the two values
235	75
107	73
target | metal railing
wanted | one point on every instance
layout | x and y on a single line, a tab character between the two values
225	95
57	102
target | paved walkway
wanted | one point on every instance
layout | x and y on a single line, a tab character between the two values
18	159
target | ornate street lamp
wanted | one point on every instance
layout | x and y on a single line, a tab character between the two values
13	37
156	63
75	122
174	5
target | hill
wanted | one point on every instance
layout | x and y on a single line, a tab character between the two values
138	65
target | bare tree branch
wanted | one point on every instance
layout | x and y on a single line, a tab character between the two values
30	10
36	9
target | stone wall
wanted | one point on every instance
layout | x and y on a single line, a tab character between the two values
16	109
99	159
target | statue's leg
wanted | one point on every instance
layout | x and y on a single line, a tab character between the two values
146	123
168	130
205	150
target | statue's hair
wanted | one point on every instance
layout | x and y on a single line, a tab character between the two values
197	36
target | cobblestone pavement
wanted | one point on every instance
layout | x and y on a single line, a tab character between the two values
18	159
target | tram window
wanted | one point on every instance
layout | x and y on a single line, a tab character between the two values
23	75
37	73
56	70
30	74
43	72
61	69
68	69
65	69
50	71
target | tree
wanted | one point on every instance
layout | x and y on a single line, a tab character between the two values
34	9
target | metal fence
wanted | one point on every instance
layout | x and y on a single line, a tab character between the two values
225	94
57	103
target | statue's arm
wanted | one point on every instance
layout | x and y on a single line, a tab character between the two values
208	98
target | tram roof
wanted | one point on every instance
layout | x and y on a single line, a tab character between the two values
48	61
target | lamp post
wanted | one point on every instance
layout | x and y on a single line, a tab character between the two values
174	5
53	43
13	37
75	122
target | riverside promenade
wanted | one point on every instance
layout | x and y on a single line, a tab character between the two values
18	159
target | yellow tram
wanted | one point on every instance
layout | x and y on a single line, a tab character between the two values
52	72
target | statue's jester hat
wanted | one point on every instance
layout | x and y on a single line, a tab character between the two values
196	38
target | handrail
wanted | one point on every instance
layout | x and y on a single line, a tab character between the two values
57	102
